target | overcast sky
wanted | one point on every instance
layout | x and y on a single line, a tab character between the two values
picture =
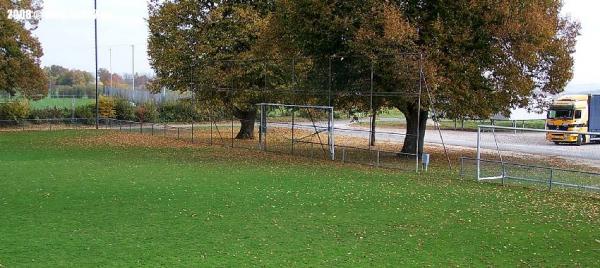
67	36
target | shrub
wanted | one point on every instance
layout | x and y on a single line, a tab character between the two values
124	110
106	107
86	112
147	113
50	113
180	111
15	110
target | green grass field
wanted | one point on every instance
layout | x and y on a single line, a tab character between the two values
59	103
82	198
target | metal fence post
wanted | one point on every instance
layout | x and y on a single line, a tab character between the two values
152	129
211	133
378	158
551	179
141	128
462	167
293	123
478	153
177	133
192	131
343	155
331	134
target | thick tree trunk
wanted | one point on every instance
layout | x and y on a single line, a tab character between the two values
373	128
247	120
414	126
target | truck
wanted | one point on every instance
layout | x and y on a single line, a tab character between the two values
577	113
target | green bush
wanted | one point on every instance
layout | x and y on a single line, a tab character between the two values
147	113
124	110
15	110
50	113
87	112
180	111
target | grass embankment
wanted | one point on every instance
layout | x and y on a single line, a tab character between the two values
75	198
60	103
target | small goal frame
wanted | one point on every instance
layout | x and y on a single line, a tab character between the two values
263	124
503	175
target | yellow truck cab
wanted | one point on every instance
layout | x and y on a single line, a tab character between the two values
579	113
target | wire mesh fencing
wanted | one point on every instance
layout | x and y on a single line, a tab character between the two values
549	159
546	177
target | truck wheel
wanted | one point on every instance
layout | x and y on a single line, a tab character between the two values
579	140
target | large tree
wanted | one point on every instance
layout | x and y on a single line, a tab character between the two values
478	58
481	57
20	51
210	47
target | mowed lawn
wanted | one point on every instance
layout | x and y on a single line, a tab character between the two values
72	199
66	103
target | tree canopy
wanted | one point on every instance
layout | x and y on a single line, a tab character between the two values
478	58
20	52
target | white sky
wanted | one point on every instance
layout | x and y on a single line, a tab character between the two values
67	36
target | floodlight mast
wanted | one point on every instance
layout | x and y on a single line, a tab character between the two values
133	67
110	66
96	55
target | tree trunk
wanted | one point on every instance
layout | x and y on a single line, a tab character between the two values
247	120
414	127
373	128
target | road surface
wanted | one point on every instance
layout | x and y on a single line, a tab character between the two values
533	143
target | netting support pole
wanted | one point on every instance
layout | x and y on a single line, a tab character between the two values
329	82
371	122
417	149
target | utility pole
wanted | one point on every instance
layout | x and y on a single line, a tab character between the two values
133	67
110	66
96	53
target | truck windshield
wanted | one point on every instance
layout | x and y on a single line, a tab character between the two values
560	114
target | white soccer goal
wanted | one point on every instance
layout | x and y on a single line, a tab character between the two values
297	128
551	158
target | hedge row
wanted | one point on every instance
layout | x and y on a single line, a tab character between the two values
180	111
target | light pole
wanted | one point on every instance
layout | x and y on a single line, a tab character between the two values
133	67
96	54
110	66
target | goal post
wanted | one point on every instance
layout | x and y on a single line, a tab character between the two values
299	124
564	159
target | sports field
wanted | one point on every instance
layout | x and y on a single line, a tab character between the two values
83	198
66	103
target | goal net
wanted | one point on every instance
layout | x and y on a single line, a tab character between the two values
304	130
535	156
